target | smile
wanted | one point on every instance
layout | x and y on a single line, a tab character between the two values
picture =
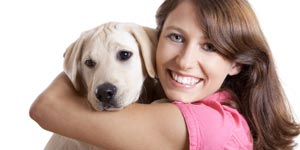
186	80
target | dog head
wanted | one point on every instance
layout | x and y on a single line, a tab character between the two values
110	63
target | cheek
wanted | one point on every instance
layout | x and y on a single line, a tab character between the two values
160	55
87	76
165	52
216	69
220	74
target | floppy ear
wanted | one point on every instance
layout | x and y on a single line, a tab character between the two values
147	41
72	58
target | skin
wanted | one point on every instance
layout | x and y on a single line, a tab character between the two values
156	126
185	51
59	109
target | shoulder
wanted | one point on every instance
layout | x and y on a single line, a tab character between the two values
222	124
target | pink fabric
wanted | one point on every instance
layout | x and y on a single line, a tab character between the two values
213	126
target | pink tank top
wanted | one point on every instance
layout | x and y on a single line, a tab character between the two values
213	126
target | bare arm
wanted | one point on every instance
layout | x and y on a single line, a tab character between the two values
156	126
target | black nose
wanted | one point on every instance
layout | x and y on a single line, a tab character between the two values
106	92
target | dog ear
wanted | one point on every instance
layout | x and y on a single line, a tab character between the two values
72	58
147	40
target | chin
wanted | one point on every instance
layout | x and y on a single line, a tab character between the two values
180	97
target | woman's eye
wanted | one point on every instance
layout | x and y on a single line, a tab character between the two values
90	63
209	47
176	38
124	55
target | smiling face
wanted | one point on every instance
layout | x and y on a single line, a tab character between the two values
189	67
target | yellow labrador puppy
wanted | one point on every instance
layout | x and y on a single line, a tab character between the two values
108	64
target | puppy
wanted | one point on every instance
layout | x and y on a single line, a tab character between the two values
108	65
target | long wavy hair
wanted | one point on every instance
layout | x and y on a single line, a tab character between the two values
233	28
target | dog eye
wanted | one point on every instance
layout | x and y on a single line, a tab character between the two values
90	63
124	55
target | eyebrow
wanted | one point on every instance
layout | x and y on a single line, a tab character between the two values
174	27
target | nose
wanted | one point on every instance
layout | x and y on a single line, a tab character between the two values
106	92
186	57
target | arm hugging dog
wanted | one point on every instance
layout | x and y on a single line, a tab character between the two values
108	65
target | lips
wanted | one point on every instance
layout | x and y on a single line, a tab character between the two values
183	79
109	107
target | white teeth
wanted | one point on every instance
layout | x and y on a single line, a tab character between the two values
185	80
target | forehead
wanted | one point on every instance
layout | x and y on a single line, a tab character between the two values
114	39
184	18
121	37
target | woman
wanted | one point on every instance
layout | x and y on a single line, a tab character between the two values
215	66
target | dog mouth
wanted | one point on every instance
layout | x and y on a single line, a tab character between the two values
110	107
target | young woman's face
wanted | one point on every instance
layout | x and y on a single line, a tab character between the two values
188	66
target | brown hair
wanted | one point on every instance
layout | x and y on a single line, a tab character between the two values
232	27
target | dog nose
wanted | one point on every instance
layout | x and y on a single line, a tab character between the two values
106	92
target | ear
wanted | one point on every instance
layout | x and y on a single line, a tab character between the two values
147	41
72	58
235	69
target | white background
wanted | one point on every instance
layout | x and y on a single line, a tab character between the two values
35	33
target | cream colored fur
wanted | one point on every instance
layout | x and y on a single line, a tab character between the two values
102	45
